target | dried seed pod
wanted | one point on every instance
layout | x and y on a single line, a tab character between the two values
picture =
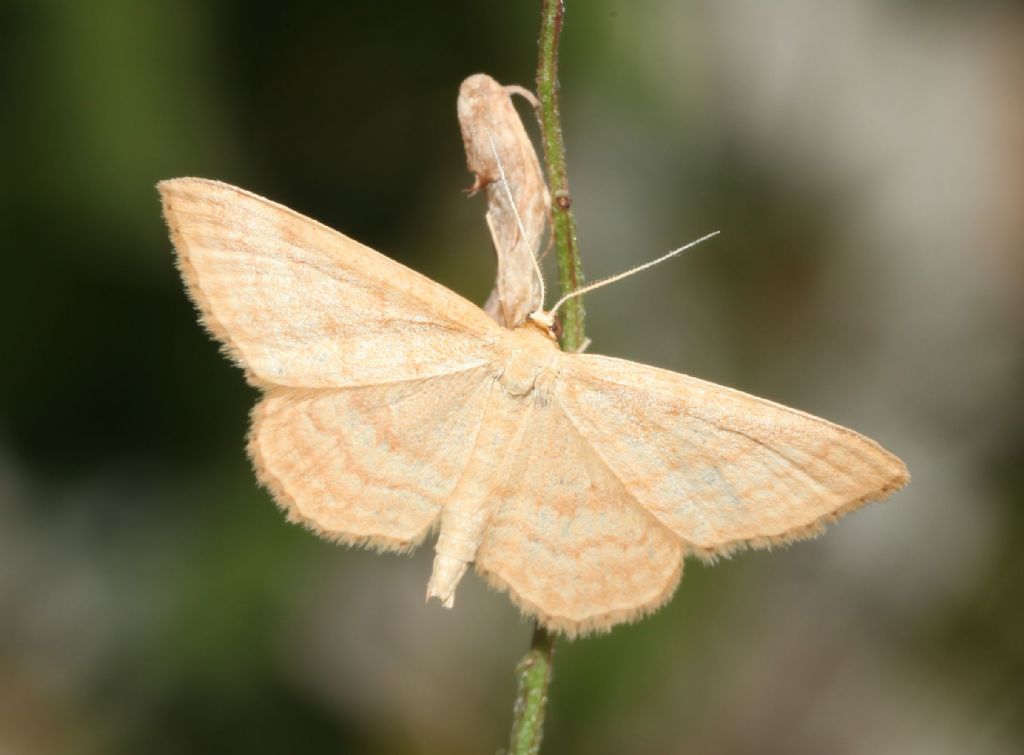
492	130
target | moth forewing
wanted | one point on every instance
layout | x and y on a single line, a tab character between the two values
720	468
300	305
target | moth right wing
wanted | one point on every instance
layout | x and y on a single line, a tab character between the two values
370	464
720	468
566	540
300	305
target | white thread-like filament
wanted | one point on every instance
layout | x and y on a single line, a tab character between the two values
627	273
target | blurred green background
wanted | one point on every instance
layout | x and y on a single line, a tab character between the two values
865	163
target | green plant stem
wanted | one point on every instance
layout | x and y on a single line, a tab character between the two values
533	674
534	671
563	223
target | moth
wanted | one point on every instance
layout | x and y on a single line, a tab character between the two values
393	407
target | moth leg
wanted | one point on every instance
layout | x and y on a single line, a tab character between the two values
583	346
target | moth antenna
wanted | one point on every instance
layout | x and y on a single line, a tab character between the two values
627	273
515	213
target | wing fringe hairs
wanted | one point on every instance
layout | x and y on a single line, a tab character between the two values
190	277
576	483
600	623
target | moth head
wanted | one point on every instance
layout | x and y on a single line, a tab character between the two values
547	322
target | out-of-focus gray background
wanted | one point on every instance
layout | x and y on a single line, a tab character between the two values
865	163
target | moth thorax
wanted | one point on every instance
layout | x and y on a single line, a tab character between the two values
527	359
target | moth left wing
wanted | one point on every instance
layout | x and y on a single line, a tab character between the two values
720	468
566	540
300	305
370	464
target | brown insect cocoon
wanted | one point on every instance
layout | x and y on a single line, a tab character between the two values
492	130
